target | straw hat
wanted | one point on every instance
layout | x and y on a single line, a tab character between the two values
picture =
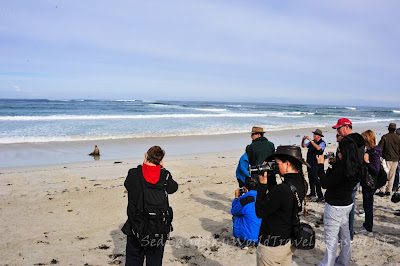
257	130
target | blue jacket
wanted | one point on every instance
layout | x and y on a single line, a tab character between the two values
246	224
242	170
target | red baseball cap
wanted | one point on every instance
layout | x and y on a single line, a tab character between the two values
342	122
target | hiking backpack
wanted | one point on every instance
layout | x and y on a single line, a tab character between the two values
151	222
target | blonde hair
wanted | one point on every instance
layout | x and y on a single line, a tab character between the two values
370	138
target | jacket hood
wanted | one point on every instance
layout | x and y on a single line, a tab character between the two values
357	138
250	193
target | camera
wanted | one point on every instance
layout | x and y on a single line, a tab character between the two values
329	156
262	168
241	190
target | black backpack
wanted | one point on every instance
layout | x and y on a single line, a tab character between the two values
151	223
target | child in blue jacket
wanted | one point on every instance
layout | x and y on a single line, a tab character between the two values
246	224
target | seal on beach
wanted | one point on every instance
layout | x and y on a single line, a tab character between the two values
96	151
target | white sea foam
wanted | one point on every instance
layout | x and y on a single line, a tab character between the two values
120	100
210	109
202	132
158	116
302	113
351	108
396	111
367	121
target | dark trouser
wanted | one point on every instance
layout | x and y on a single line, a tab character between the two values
368	205
241	183
315	184
135	254
396	177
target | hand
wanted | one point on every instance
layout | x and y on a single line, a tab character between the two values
237	193
309	138
366	157
263	178
332	160
304	137
320	159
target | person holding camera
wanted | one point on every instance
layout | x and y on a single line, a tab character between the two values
316	146
246	224
149	214
339	183
275	203
344	127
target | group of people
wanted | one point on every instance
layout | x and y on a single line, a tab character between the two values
263	209
273	203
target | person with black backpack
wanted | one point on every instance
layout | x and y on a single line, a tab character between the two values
149	214
339	182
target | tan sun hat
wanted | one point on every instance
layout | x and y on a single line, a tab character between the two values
257	130
318	132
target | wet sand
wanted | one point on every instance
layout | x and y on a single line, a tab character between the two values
71	213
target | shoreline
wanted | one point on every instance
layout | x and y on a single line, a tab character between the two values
51	153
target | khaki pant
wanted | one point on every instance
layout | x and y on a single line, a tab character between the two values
275	255
392	173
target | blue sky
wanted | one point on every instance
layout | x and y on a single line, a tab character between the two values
272	51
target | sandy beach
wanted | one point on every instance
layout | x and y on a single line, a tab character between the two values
71	213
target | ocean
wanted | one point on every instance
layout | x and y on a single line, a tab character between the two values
35	121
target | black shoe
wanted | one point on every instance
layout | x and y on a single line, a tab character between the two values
320	199
380	194
387	193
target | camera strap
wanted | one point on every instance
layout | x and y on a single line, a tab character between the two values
296	202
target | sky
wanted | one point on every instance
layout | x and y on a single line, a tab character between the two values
319	52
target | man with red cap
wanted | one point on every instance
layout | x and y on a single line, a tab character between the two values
344	128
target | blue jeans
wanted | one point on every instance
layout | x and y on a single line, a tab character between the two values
351	217
336	228
368	205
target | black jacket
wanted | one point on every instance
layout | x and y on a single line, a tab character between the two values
274	205
134	188
338	188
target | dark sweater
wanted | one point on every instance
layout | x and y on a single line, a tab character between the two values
338	187
259	150
374	159
390	145
274	205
